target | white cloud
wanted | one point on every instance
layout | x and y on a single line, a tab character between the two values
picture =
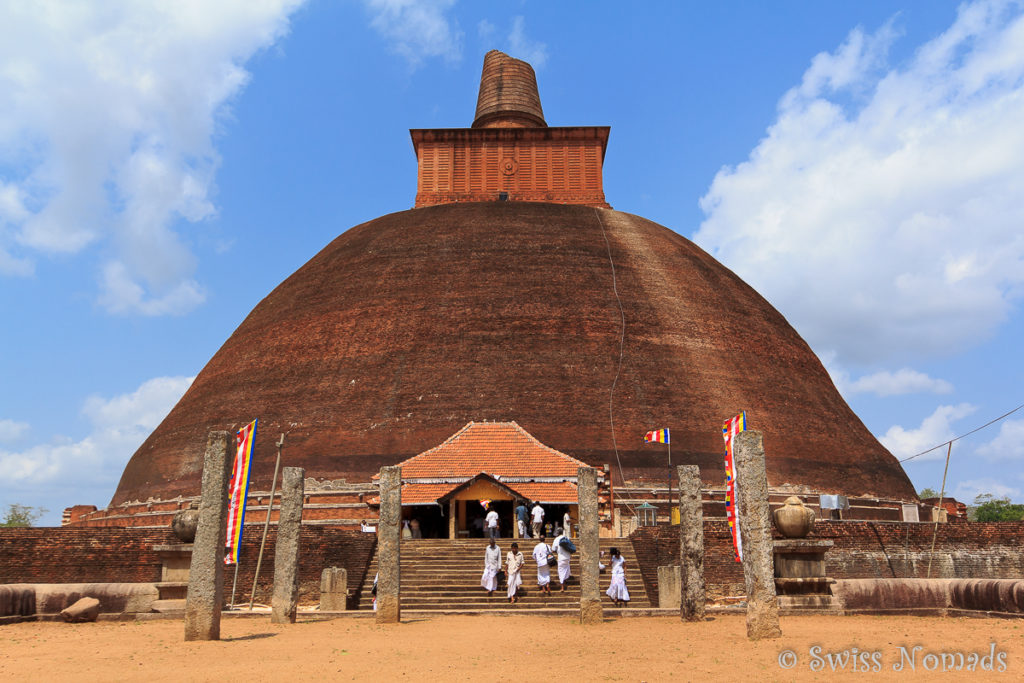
967	491
418	29
119	426
1008	443
884	382
108	114
522	47
11	430
485	29
121	294
903	381
882	212
934	430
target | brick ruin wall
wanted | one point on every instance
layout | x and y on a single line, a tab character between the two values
126	555
863	550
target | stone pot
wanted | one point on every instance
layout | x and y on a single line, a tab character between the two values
184	524
794	519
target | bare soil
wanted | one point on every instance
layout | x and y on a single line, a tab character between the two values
516	648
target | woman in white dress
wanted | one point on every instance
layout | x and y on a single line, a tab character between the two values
540	554
617	591
492	564
564	558
514	566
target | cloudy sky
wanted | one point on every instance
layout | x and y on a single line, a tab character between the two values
164	165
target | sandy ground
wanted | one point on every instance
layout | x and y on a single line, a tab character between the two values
512	648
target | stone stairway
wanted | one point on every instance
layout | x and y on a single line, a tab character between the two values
442	575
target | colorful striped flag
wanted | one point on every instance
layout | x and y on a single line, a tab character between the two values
239	489
657	436
730	429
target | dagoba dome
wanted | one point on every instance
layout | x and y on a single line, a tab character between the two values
513	293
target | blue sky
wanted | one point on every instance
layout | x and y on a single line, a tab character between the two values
164	166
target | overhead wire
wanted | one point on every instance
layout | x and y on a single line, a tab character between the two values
622	344
955	439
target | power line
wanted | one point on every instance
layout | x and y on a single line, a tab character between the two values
944	443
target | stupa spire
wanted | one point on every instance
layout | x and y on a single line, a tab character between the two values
508	94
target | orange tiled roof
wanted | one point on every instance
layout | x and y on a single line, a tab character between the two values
421	494
545	492
501	449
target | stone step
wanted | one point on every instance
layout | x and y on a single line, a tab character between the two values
172	590
443	576
169	606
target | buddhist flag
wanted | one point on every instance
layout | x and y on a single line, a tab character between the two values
657	436
239	490
730	429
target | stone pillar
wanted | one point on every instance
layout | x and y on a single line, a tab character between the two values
670	584
754	517
285	599
205	597
691	544
452	530
591	611
334	589
389	536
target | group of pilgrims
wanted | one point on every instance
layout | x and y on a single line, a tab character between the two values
558	553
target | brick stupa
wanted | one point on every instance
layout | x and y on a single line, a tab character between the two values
513	293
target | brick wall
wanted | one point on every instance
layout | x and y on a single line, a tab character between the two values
863	550
125	555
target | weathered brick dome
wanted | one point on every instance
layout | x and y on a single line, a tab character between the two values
405	328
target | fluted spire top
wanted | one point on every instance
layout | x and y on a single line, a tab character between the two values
508	94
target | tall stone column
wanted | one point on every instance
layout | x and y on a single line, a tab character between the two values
754	516
284	602
388	546
205	597
591	611
691	544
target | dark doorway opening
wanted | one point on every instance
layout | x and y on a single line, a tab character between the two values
431	518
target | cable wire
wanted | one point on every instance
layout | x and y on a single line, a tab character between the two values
622	344
992	422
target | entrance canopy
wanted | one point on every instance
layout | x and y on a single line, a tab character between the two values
501	457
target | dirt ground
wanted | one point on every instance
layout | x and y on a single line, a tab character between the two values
515	648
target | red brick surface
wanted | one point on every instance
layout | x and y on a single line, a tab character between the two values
862	550
125	555
405	328
508	93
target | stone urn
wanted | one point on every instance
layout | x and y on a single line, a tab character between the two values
794	519
185	522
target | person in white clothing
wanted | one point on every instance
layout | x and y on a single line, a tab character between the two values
492	524
617	590
492	563
564	557
537	520
514	566
540	554
567	524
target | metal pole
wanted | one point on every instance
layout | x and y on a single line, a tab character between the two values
234	584
266	524
942	493
669	444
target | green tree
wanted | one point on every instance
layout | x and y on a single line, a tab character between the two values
927	492
22	515
988	508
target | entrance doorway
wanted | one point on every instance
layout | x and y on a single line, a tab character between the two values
431	519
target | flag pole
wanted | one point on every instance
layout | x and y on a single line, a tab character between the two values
266	524
669	444
234	584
